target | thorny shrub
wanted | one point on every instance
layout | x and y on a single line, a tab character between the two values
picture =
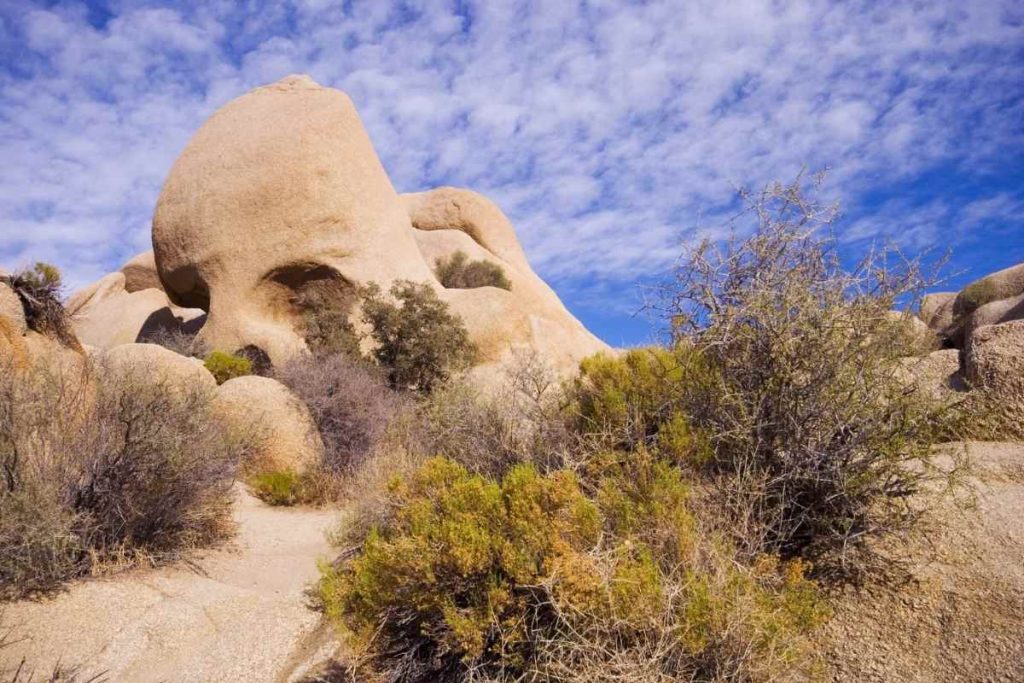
458	272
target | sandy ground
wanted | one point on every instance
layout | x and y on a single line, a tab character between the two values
234	614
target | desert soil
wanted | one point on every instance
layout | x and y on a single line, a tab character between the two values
234	614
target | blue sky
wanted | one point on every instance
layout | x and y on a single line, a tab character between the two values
609	132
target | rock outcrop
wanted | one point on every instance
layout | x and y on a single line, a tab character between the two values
120	309
154	364
277	419
281	189
993	299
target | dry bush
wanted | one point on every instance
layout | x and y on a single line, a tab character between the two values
108	472
39	290
458	272
350	403
179	340
817	444
524	420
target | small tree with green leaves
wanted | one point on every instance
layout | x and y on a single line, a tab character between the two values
419	343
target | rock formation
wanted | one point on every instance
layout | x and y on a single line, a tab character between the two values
281	189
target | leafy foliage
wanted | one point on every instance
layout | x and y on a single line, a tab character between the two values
472	577
419	343
458	272
224	366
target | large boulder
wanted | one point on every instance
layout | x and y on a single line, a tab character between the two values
279	421
1003	284
107	313
936	375
993	313
994	363
281	190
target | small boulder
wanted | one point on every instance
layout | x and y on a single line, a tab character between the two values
152	363
937	310
283	427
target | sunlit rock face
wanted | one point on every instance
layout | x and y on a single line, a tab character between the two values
282	188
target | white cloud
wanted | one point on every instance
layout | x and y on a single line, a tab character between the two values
604	130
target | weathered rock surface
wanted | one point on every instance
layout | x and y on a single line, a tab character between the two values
937	374
1002	284
237	614
958	615
937	310
155	364
994	363
109	313
266	407
140	273
993	313
281	189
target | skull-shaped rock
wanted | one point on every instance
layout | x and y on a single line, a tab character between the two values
281	190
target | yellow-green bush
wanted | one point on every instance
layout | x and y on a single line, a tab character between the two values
224	366
637	398
280	487
531	576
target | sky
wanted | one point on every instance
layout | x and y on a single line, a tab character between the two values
611	133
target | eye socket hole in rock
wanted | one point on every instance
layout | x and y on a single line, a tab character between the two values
458	272
186	287
322	300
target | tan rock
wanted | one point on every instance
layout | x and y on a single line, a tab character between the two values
10	307
281	190
993	313
454	208
994	359
937	374
140	273
937	310
267	408
279	187
1003	284
154	364
105	314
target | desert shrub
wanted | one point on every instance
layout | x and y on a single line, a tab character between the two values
258	359
325	307
814	437
39	290
531	578
181	341
224	366
94	474
458	272
521	420
419	343
349	401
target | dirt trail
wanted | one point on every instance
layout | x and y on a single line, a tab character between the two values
235	614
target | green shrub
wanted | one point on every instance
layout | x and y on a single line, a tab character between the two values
529	578
224	366
278	487
419	343
458	272
325	307
637	399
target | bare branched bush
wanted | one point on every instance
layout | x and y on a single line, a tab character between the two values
110	471
816	440
179	340
524	420
349	401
